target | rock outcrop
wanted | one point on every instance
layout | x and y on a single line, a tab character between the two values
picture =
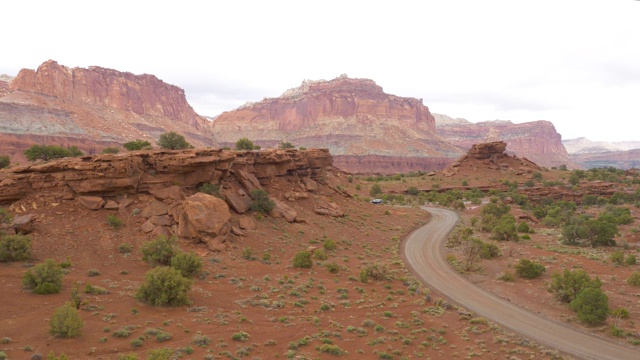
4	84
353	118
537	140
92	108
490	156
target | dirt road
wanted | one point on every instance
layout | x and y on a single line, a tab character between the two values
423	252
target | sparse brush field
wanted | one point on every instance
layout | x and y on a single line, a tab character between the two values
356	300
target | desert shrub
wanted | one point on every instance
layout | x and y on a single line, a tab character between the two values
616	215
329	245
160	251
49	152
244	144
332	267
114	221
45	278
65	322
94	290
529	269
634	279
595	231
5	161
617	258
5	217
164	286
160	354
507	276
331	349
51	356
110	150
523	227
302	260
201	340
137	145
567	286
93	272
129	356
261	201
630	260
125	248
505	228
211	189
240	336
174	141
189	264
15	248
320	254
591	306
286	145
376	271
247	253
375	190
412	190
620	313
489	250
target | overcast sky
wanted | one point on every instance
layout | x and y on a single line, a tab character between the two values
573	62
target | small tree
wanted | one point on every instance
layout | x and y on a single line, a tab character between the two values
505	229
591	305
261	201
137	145
302	260
5	161
471	253
174	141
65	322
49	152
189	264
45	278
286	145
160	251
164	286
15	248
110	150
567	285
244	144
529	269
523	227
375	190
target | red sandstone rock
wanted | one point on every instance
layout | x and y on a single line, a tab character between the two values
204	218
323	207
239	201
91	202
283	210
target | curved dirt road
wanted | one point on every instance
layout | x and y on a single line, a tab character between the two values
423	253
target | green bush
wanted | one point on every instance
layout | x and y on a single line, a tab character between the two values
567	285
45	278
302	260
137	145
164	286
5	161
160	354
261	201
620	313
591	306
329	245
211	189
201	340
505	229
49	152
110	150
377	271
320	254
489	250
15	248
634	279
244	144
630	260
94	290
617	258
189	264
331	349
286	145
523	227
247	253
65	322
128	356
332	267
5	217
160	251
114	221
529	269
125	248
240	336
174	141
375	190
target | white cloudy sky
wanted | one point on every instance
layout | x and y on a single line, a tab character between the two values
573	62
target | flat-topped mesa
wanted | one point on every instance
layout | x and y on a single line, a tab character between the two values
487	150
144	171
142	94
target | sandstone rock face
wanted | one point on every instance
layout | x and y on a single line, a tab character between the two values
537	141
283	210
238	200
350	117
204	217
323	207
92	108
489	156
4	85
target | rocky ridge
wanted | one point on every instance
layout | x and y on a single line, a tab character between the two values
537	140
590	154
353	118
161	185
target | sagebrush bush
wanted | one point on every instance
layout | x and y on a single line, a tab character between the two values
261	201
634	279
15	248
160	251
189	264
114	221
65	322
302	260
329	245
377	271
529	269
591	305
320	254
332	267
164	286
566	285
45	278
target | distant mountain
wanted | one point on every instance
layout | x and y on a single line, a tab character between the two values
537	141
590	154
366	129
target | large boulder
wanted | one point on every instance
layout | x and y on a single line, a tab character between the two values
204	218
248	180
91	202
323	207
239	201
283	210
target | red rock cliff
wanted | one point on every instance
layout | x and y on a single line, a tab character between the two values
351	117
537	141
141	94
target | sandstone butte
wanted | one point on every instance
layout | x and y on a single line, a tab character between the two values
365	129
537	141
91	108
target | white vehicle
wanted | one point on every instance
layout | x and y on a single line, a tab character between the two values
376	201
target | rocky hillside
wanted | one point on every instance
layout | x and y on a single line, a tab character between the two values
590	154
92	108
537	141
362	126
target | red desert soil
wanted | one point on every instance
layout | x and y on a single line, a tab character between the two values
286	312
